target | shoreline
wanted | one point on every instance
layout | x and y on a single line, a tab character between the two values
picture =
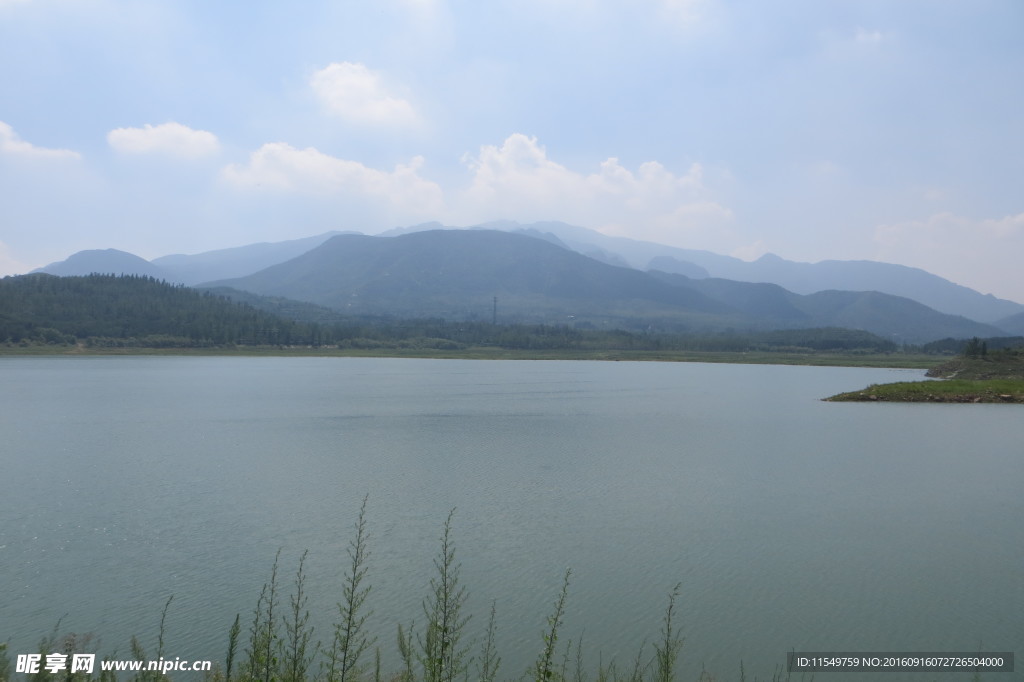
961	391
881	360
996	378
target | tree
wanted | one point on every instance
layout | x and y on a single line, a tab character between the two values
974	348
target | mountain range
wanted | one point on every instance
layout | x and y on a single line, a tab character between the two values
801	278
558	273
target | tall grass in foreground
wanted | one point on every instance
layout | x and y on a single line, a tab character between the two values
280	645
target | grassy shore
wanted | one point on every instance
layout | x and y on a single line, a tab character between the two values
995	378
943	391
818	358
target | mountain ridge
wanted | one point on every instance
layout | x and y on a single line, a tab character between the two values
446	273
802	278
456	273
103	261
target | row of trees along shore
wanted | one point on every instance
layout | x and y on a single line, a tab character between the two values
135	311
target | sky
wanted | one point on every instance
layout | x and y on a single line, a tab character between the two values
888	130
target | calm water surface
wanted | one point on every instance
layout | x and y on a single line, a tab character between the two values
790	523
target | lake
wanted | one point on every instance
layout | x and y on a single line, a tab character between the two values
790	523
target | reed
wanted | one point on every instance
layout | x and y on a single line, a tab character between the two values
442	653
281	648
350	638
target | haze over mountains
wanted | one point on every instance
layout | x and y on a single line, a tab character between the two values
235	262
558	273
802	278
104	261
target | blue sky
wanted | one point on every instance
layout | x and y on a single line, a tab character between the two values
851	129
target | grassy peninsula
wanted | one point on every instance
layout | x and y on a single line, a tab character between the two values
977	376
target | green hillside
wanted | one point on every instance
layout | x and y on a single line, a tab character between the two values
136	311
104	311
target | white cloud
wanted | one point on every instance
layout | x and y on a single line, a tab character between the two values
172	139
518	181
856	45
975	253
683	12
13	145
515	181
869	37
359	95
422	8
750	251
281	167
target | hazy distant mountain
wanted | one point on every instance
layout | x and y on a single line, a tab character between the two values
1014	324
676	266
456	274
103	262
235	262
635	253
802	278
879	313
588	250
862	275
887	316
756	300
763	306
421	227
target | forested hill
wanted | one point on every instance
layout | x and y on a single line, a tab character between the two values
139	311
135	310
